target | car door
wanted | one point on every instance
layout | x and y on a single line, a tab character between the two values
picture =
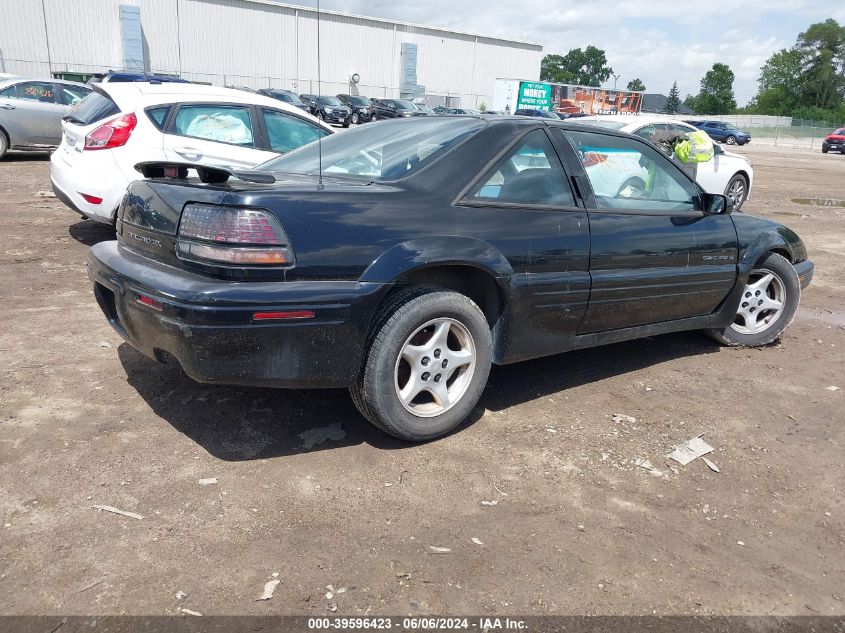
654	254
524	206
32	113
215	134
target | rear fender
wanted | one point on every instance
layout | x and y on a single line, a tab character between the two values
437	251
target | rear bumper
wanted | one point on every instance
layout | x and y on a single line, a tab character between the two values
206	324
69	182
805	271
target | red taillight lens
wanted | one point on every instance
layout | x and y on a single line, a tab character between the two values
91	199
233	236
112	134
283	316
151	303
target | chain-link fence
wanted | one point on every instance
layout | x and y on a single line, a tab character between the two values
81	72
776	130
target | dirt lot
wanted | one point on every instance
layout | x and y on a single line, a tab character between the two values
307	489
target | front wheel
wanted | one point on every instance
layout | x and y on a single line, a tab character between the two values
824	149
731	140
737	191
768	304
426	365
355	119
374	117
4	145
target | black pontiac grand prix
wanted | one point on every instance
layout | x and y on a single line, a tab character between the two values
428	249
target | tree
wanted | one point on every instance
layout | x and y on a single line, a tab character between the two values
636	84
780	84
717	91
689	101
673	102
586	67
822	51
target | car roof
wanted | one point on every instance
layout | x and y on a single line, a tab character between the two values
631	120
16	80
131	95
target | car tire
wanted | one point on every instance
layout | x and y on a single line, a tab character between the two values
731	140
824	150
355	119
4	143
346	124
417	341
737	190
773	279
373	117
321	117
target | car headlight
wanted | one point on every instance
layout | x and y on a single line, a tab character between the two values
329	110
406	114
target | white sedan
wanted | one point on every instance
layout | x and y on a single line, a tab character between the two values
727	173
122	124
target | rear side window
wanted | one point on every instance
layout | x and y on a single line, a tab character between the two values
530	174
71	95
225	124
95	107
288	132
158	115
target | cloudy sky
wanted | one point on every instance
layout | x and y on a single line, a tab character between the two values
659	41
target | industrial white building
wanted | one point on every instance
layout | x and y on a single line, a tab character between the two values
259	44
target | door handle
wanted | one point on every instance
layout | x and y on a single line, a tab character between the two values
188	151
7	106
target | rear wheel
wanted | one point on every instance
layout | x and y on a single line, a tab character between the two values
767	307
737	190
4	144
355	119
731	140
426	365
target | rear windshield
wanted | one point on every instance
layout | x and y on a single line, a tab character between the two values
95	107
388	151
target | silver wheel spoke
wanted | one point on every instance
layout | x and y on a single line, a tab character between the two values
413	353
771	304
440	336
761	304
441	393
411	389
460	358
763	283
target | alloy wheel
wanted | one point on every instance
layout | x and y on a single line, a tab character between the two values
736	192
355	119
731	140
435	367
761	304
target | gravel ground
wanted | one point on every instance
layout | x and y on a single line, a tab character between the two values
540	500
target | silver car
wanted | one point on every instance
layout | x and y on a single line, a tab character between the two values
31	111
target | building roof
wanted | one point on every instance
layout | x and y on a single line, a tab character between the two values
655	102
397	22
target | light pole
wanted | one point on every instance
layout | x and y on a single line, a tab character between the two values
615	79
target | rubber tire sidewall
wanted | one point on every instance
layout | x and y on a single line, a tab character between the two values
4	143
355	118
744	195
375	394
792	287
729	141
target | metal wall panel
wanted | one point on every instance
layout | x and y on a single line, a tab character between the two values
259	44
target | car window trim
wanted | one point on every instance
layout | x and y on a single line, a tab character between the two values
462	199
252	119
593	206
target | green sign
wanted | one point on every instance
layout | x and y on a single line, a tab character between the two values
535	95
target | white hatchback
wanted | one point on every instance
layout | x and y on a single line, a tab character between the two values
727	173
122	124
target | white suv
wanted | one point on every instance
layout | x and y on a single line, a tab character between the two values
727	173
122	124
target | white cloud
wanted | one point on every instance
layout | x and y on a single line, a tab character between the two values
680	42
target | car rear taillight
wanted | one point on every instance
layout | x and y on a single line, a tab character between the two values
111	134
232	236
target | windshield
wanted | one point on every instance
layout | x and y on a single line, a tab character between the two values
286	97
328	101
403	105
387	151
605	123
359	101
840	132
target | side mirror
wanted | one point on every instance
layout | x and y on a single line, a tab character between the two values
717	149
716	204
392	106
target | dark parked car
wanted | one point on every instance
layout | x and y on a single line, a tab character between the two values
393	109
540	114
125	77
285	95
360	107
429	249
835	142
470	111
328	109
423	109
724	132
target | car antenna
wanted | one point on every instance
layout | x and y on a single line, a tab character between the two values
319	92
